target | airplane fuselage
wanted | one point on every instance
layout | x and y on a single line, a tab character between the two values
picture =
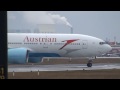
64	45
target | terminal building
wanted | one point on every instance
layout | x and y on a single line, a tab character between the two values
44	28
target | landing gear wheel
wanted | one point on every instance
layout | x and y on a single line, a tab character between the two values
89	64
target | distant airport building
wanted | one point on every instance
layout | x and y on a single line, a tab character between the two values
115	48
41	28
45	28
19	31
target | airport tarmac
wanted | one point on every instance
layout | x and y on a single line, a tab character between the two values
61	67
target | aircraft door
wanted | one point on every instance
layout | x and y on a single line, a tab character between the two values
84	44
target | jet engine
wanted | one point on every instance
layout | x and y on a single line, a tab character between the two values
17	56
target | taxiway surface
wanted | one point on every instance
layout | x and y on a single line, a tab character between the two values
61	67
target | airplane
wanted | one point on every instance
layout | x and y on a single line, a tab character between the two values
31	47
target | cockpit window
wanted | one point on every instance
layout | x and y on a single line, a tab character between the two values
101	43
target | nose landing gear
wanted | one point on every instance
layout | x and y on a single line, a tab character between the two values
89	64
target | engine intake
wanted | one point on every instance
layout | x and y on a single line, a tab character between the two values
17	56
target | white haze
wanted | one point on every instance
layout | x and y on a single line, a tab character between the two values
44	17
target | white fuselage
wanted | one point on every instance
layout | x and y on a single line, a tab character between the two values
66	45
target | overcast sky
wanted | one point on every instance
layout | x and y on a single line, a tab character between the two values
101	24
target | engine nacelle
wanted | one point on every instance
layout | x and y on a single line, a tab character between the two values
17	56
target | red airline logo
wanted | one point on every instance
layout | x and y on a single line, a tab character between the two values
68	42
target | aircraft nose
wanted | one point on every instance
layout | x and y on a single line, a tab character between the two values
108	48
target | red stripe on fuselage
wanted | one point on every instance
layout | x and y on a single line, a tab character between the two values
68	42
